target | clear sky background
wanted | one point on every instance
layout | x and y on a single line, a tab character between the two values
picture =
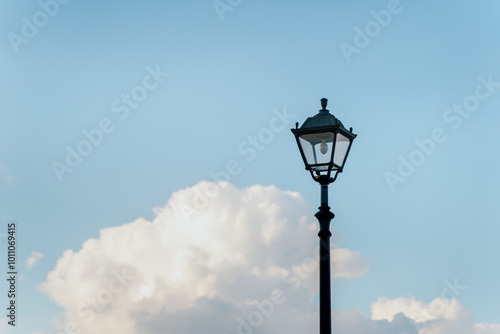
184	92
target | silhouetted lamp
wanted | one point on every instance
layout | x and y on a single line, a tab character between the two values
324	144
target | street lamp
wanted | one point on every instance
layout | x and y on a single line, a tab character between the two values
324	144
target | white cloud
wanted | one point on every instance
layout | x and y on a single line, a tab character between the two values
410	316
487	329
235	261
348	263
213	256
33	259
439	308
440	316
354	321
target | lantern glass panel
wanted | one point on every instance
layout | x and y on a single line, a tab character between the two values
317	149
341	147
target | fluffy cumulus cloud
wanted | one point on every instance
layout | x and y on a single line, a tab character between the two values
440	316
218	259
227	257
410	316
487	329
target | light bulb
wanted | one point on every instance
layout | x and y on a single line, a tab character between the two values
323	148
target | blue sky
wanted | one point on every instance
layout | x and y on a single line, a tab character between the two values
207	78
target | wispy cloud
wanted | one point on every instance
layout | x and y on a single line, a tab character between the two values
33	259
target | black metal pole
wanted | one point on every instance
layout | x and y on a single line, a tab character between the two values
324	216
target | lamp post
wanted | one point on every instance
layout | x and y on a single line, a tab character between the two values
324	144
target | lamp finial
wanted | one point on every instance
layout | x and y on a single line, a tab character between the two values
324	101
